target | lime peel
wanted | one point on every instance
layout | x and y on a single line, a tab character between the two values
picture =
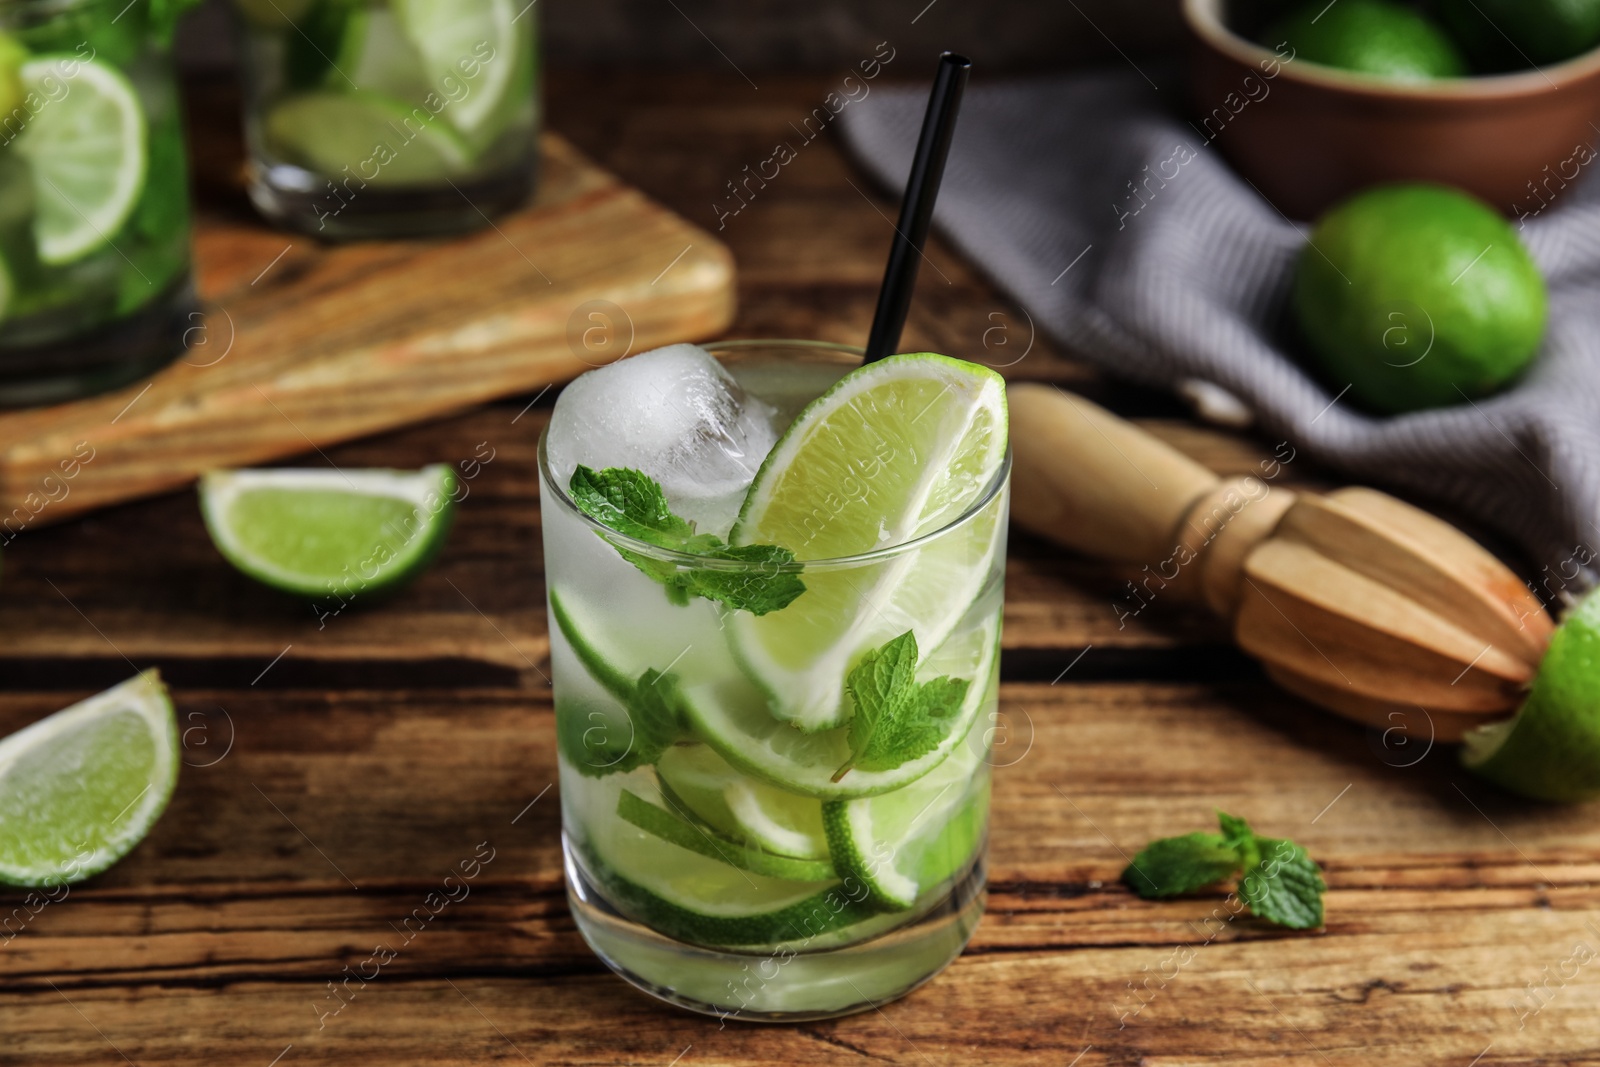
74	795
320	533
1551	749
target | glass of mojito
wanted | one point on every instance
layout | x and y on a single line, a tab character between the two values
94	202
775	580
389	118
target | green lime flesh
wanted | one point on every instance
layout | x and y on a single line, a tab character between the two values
80	789
319	533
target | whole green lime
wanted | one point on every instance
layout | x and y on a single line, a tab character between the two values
1503	35
1417	296
1551	750
1369	36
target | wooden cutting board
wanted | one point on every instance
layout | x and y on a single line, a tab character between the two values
305	344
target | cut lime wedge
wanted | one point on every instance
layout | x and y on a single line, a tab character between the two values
383	141
470	43
684	893
893	452
87	148
329	532
1551	749
741	807
382	59
673	825
80	789
904	843
731	716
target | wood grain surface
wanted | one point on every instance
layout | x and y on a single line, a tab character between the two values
305	344
336	768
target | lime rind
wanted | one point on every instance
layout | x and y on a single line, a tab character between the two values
88	151
923	436
902	844
66	854
430	492
673	827
1551	749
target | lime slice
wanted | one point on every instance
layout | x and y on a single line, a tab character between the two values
904	843
731	715
471	43
671	826
1551	749
686	894
384	141
743	808
80	789
894	451
329	532
87	150
381	58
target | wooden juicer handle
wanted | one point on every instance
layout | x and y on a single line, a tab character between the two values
1353	600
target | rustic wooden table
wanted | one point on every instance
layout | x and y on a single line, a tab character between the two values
337	771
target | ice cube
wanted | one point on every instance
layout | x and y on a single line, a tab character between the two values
675	414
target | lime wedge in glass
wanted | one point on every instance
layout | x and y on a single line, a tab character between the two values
743	808
1551	749
383	141
731	715
329	532
903	843
894	451
470	43
87	151
80	789
668	822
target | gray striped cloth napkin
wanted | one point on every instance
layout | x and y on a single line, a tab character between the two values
1184	285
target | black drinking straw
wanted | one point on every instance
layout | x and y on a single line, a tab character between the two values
916	210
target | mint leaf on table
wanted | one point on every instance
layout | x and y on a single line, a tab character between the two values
1176	865
896	718
1285	887
632	503
1280	883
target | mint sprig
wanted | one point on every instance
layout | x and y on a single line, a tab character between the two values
896	718
632	503
1280	882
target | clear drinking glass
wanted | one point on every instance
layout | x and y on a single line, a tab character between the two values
388	118
94	200
710	876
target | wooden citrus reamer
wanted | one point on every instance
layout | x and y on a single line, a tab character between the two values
1352	599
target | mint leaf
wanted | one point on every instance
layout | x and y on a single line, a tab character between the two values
1176	865
1285	887
896	719
632	503
1281	883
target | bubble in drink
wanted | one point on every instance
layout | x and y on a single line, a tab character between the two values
675	414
